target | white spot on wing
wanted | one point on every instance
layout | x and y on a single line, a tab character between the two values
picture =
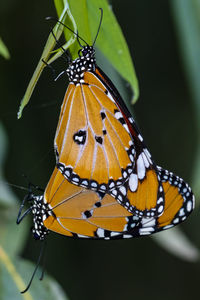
168	226
123	190
114	192
160	200
83	236
181	212
118	115
100	232
189	206
176	221
146	231
127	236
140	137
160	209
133	182
126	127
113	233
148	155
84	182
131	120
140	167
110	97
146	162
146	222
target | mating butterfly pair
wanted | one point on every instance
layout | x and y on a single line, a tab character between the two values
105	184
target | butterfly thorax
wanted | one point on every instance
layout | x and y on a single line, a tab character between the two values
40	213
80	65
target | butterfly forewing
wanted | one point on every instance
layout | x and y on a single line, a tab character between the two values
91	139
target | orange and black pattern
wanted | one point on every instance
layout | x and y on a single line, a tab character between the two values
98	145
74	211
105	184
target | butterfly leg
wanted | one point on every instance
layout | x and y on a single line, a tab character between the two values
67	58
51	68
20	216
27	198
42	250
55	77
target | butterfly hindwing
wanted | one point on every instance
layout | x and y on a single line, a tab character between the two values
78	212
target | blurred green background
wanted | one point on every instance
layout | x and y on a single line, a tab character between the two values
166	115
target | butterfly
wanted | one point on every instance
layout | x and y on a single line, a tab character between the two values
97	142
78	212
98	145
101	156
105	184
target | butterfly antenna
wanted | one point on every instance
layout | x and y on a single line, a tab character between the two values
15	185
78	40
36	267
27	198
32	185
100	22
76	34
61	47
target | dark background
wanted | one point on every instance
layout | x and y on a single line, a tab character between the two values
125	269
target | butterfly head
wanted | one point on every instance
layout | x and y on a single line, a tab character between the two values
88	52
85	62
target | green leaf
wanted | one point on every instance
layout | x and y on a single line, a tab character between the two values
14	272
14	277
12	238
4	50
50	44
7	198
77	9
110	40
187	22
4	145
176	242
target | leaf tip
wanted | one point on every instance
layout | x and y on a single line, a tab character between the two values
19	113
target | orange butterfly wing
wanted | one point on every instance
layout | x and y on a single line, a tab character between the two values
88	140
96	149
78	212
179	203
